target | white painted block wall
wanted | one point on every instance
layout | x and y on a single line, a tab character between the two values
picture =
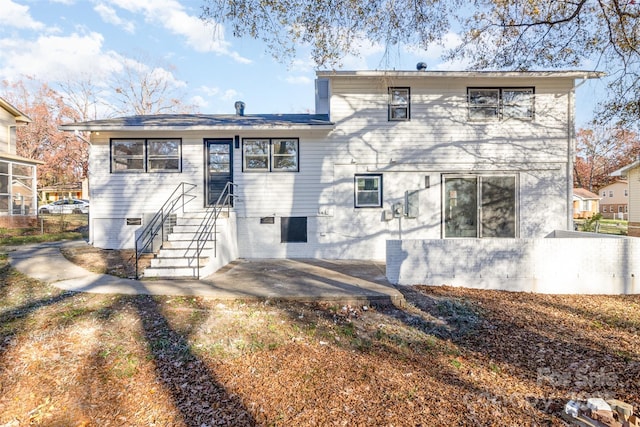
549	265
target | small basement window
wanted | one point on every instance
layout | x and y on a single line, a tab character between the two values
293	229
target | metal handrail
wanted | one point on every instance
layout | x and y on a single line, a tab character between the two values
209	225
156	225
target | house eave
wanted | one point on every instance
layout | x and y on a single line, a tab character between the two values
15	158
569	74
20	117
622	171
89	128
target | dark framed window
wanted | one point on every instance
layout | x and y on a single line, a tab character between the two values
270	155
146	155
368	191
293	229
399	103
480	206
163	155
500	103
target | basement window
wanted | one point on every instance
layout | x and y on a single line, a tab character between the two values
293	229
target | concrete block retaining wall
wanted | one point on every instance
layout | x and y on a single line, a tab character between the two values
564	263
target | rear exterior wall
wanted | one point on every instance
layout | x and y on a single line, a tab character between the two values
413	155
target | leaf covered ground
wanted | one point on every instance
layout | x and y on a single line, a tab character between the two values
452	357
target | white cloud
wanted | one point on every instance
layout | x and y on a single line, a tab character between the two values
162	74
199	102
230	94
109	15
209	91
53	58
172	16
298	80
18	16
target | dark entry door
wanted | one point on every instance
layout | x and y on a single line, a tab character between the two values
219	167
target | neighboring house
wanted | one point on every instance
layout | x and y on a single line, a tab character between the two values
632	174
585	203
614	201
76	190
18	196
388	155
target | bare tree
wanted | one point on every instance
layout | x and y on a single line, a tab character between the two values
81	93
496	34
147	89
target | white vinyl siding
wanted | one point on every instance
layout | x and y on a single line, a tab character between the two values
437	141
117	196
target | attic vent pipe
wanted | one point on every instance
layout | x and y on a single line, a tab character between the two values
239	108
421	66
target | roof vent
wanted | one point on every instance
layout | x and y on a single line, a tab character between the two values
421	66
239	108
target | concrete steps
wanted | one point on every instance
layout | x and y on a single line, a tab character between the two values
177	258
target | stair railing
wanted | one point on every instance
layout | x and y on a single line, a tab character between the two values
156	226
208	228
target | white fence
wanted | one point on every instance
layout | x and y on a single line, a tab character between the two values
563	263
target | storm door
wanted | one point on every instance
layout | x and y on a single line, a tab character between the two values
219	168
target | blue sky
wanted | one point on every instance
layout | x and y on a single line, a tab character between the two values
59	40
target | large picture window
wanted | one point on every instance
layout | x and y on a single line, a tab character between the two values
500	103
479	206
368	191
270	155
146	155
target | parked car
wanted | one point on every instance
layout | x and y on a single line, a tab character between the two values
66	206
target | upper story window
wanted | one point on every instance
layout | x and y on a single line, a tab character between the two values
610	193
626	193
399	103
270	155
500	103
146	155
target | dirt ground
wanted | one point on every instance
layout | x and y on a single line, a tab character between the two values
454	357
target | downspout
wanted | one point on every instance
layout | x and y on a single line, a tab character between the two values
571	150
9	136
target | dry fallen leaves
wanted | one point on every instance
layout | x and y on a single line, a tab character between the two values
452	357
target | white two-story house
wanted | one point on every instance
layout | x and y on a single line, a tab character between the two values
387	155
